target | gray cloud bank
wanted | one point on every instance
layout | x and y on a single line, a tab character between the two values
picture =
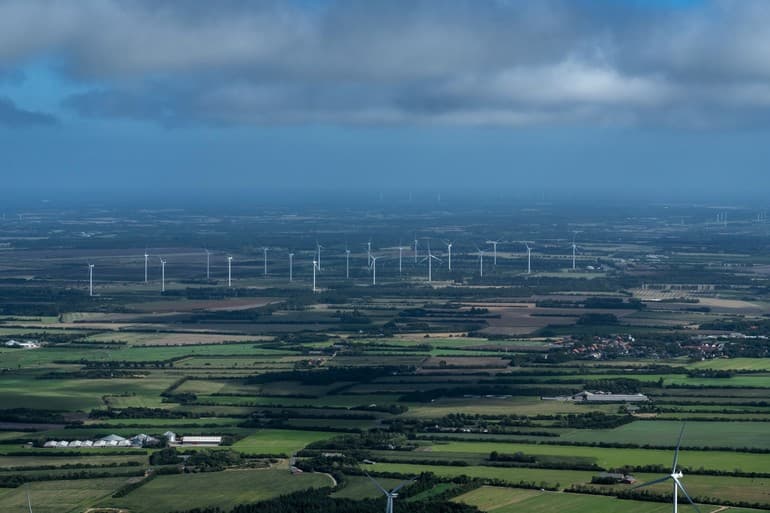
529	62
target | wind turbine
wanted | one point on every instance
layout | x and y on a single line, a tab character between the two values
529	258
291	267
481	262
415	249
162	275
400	256
146	256
494	250
574	249
29	501
374	270
430	258
369	254
449	253
91	280
315	268
265	252
347	263
229	271
675	476
392	494
208	265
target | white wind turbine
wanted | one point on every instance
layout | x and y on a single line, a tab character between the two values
676	476
91	280
430	258
481	262
291	267
347	263
494	250
162	274
369	254
146	257
208	264
374	270
449	254
529	258
229	271
29	501
400	256
392	494
265	259
315	268
415	250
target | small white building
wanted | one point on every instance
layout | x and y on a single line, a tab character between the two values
76	443
88	443
62	443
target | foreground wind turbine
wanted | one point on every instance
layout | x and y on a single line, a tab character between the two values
29	501
291	267
229	271
675	476
392	494
162	275
91	280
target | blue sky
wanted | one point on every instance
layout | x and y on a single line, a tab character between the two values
437	94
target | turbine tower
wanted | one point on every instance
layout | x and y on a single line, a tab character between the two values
369	254
162	275
449	254
676	476
400	256
91	280
529	258
415	249
291	267
392	494
374	270
229	271
146	256
208	265
347	264
265	252
315	268
481	262
494	250
29	501
430	258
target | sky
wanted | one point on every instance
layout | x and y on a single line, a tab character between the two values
655	96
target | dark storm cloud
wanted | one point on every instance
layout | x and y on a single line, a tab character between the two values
526	62
13	116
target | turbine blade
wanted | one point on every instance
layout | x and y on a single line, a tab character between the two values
394	490
676	451
681	487
650	483
383	490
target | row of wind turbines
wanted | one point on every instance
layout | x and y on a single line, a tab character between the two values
371	260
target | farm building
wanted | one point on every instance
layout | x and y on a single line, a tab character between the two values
201	440
613	478
606	397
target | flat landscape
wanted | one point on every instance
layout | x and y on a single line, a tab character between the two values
556	389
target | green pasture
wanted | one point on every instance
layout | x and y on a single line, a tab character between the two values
279	441
70	496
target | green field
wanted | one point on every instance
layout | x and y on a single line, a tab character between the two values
224	489
58	496
279	441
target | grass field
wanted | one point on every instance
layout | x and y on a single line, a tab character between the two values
360	487
697	434
614	458
279	441
224	489
510	500
58	496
